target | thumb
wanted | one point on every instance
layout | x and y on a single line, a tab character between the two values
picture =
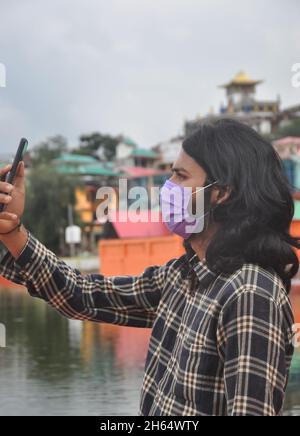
20	175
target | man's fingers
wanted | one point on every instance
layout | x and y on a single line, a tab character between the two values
8	216
5	198
19	180
4	171
20	170
6	187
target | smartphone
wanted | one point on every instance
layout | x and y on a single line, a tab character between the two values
10	177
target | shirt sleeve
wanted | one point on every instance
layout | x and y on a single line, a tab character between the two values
255	343
125	300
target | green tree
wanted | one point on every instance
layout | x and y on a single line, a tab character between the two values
48	150
96	143
291	129
47	199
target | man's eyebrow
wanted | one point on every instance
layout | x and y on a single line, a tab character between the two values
179	169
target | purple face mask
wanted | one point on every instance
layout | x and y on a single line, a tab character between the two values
176	208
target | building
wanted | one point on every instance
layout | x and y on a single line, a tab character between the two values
129	154
90	174
286	147
124	149
241	103
168	152
289	151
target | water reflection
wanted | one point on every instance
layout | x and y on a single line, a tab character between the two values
53	366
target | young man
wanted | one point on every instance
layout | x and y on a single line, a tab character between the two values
220	315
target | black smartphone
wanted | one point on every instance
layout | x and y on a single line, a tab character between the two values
10	177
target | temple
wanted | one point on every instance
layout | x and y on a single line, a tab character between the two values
241	103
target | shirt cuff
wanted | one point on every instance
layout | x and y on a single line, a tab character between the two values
29	261
32	256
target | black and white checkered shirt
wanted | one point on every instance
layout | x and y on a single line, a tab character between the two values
220	345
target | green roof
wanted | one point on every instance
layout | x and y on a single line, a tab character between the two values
90	170
129	141
144	152
98	170
75	159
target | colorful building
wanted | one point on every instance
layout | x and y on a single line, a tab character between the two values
90	174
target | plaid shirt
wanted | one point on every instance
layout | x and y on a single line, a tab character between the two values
220	345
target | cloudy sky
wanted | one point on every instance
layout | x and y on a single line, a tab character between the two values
138	67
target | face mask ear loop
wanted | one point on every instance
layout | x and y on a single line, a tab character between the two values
211	209
207	186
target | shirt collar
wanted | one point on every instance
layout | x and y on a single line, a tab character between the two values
204	274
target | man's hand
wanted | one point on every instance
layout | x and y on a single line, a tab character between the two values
16	240
15	200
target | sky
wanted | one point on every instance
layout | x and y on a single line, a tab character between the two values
136	67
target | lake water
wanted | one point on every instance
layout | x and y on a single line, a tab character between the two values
53	366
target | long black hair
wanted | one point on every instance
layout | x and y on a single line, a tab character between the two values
255	220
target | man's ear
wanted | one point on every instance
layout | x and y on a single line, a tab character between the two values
223	194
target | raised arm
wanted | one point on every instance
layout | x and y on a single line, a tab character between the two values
130	301
124	300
